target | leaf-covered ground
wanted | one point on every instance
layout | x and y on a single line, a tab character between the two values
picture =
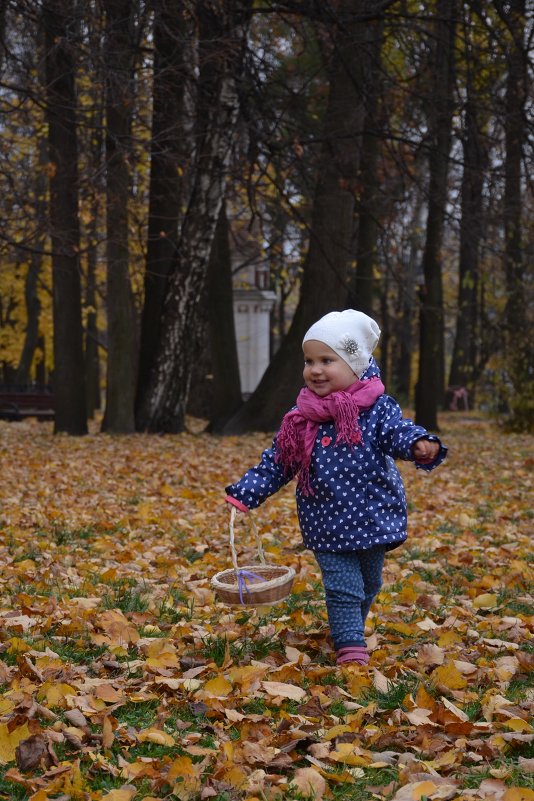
122	677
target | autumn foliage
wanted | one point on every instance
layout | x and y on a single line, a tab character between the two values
123	678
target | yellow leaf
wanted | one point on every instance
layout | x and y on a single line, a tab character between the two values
445	759
518	724
345	752
55	694
518	794
17	646
218	687
448	638
423	788
401	628
125	793
487	600
6	705
335	731
236	777
449	676
9	741
181	768
155	736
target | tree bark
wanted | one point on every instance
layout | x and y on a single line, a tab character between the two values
465	355
69	379
172	147
404	333
430	384
92	362
122	337
324	284
226	396
223	28
363	284
33	303
33	311
519	349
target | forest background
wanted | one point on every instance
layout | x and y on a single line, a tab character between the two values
380	152
380	155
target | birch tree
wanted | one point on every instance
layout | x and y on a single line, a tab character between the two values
222	37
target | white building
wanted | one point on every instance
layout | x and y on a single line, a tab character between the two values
252	309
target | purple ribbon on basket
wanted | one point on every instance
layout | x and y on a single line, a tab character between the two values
242	576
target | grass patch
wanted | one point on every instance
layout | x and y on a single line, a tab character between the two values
393	697
140	715
10	791
126	596
216	648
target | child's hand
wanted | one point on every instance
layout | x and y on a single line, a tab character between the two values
425	451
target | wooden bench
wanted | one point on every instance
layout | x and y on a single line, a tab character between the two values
18	402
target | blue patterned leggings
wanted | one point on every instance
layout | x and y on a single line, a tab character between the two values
351	581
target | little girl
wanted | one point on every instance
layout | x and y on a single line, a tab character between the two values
340	441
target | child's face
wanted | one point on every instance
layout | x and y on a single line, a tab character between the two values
325	371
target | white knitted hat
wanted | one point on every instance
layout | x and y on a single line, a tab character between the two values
351	334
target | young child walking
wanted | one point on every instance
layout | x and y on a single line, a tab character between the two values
340	442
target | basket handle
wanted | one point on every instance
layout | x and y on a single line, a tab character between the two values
254	528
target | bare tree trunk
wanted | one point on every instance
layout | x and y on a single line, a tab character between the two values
226	397
324	284
465	356
404	325
33	311
430	384
363	285
69	379
95	192
92	362
519	348
172	148
33	303
122	351
223	29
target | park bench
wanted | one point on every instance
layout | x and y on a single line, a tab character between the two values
18	402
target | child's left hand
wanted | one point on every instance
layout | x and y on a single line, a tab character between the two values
424	451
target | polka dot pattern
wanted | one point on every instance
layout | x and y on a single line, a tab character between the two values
358	499
351	581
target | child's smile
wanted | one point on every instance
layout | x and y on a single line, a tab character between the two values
325	371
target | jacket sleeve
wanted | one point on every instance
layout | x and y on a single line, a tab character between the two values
397	435
261	481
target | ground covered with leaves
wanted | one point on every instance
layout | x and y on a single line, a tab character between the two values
122	677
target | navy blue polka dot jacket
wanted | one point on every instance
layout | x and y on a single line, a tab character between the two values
358	498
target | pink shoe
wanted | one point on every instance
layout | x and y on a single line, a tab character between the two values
357	654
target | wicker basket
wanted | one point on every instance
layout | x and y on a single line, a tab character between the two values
252	585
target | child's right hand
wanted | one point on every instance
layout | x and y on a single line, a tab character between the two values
425	451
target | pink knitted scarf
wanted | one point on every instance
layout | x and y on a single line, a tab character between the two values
299	427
